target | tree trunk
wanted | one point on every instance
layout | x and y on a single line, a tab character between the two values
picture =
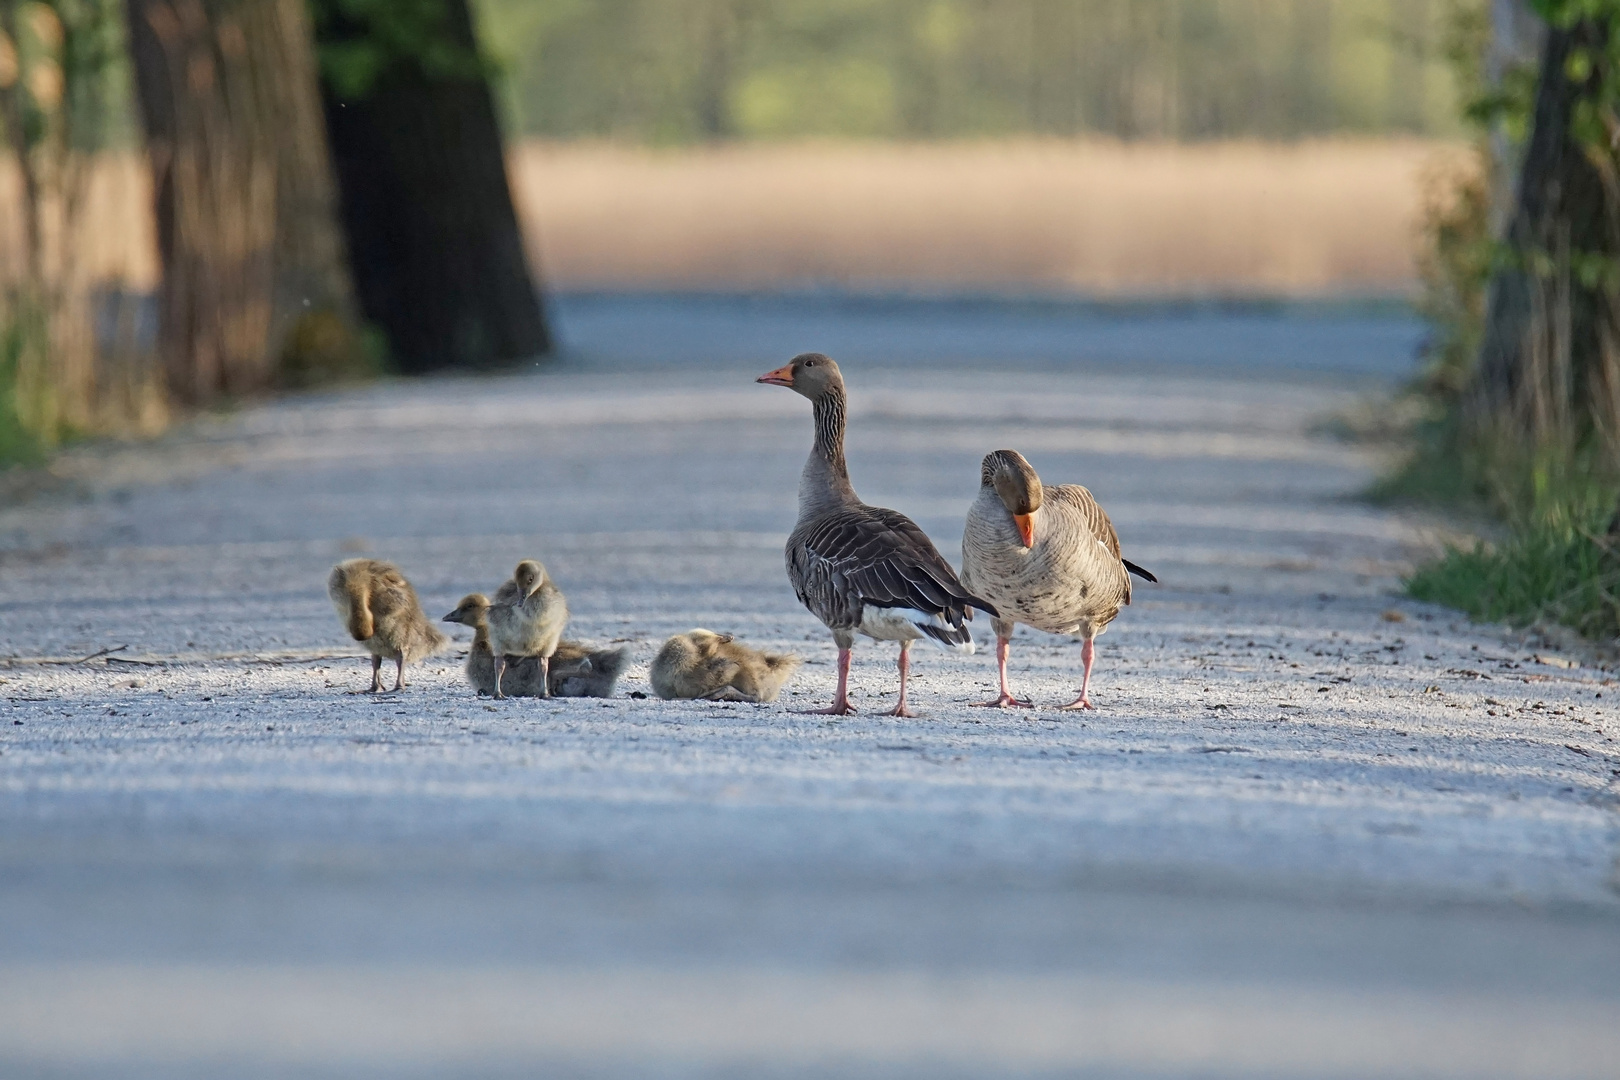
433	237
254	282
1549	367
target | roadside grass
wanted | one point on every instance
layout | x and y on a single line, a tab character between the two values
19	443
1559	560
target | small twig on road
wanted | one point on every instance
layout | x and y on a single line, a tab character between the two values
85	659
304	659
142	663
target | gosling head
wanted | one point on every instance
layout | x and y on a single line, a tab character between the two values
529	575
472	610
1018	487
811	374
707	639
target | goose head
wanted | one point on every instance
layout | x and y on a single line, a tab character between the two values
1018	487
529	575
811	374
472	610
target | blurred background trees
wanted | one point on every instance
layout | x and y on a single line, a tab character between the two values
255	288
433	237
671	71
61	372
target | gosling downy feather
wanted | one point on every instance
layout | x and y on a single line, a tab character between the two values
526	618
716	667
576	670
380	610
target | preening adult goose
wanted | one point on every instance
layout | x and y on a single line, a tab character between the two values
862	569
379	609
1047	557
526	618
575	670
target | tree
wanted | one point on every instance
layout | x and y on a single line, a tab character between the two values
255	289
1548	377
433	237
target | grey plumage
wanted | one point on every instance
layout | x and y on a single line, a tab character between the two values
576	670
716	667
380	610
1047	557
858	568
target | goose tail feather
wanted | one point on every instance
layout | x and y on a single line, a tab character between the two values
1145	575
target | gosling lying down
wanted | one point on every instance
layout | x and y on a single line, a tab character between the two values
703	664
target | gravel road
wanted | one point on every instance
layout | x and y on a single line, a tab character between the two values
1313	829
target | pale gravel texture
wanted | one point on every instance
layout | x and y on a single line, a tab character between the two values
1282	788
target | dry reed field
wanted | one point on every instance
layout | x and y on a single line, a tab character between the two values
1093	217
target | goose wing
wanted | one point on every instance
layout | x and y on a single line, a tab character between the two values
1091	514
1089	511
860	555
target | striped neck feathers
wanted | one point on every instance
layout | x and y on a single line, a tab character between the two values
826	476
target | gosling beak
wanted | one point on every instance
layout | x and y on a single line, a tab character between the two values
450	618
782	376
1026	528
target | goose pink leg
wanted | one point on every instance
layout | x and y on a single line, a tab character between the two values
905	670
1006	699
840	705
1087	653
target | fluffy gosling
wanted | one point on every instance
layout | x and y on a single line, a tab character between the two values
575	670
526	618
714	667
380	610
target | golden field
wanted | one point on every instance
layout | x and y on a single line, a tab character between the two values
1094	217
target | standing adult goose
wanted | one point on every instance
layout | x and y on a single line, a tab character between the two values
1048	557
859	568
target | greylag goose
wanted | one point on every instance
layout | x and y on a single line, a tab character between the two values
380	610
526	618
703	664
859	568
1048	557
576	670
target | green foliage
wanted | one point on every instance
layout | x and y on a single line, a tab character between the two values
362	40
1559	567
674	71
22	342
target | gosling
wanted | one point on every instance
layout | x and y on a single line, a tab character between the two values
380	610
575	671
714	667
527	618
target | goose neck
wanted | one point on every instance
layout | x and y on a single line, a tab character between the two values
825	480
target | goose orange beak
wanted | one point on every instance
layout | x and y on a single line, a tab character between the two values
1026	528
782	376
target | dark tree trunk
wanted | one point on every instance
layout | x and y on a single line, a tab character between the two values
1549	366
433	238
254	282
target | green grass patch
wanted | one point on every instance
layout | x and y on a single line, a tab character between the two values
19	444
1560	567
